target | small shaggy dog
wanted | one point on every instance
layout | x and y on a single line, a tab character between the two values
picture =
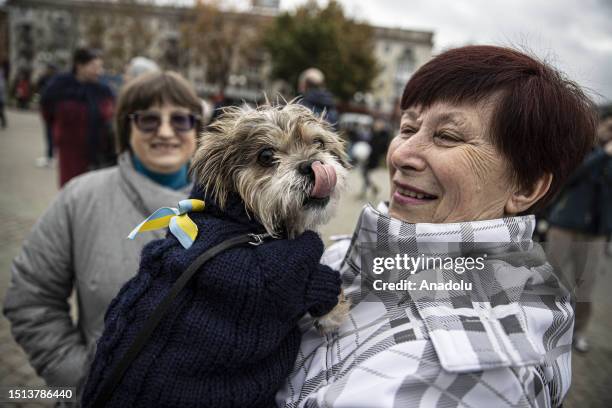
232	337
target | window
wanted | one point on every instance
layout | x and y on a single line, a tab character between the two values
405	65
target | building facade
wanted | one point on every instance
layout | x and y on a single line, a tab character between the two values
45	32
400	53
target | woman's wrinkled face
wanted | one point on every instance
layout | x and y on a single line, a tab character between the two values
443	167
167	147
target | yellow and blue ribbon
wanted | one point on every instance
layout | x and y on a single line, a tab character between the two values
181	226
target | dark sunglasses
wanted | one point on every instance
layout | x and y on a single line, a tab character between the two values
148	122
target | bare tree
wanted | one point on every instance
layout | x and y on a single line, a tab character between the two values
218	39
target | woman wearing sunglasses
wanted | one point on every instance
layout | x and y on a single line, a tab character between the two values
79	243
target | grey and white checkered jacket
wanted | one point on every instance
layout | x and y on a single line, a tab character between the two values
511	350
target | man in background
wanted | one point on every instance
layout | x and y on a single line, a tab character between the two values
2	96
581	225
138	66
79	109
311	85
43	81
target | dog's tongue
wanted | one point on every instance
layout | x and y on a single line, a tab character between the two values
325	180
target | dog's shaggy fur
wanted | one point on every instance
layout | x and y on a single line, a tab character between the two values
278	195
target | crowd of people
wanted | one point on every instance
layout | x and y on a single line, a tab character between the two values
580	226
470	164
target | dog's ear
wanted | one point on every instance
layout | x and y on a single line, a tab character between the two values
206	167
212	167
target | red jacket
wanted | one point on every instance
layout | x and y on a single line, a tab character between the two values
79	115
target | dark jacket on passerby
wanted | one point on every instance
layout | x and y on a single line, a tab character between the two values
585	204
79	114
232	337
2	96
43	81
319	101
2	87
379	143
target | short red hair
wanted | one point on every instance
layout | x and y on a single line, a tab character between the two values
541	122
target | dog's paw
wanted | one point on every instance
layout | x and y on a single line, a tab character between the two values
334	319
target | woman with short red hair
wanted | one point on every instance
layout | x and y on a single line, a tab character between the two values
487	136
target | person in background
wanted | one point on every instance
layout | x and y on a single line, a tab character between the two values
379	141
311	85
79	242
381	136
219	101
43	81
138	66
581	223
78	109
2	99
45	77
5	65
23	89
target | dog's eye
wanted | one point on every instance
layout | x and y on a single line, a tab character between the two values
266	157
319	143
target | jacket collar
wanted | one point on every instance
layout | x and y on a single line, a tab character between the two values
376	224
146	194
377	231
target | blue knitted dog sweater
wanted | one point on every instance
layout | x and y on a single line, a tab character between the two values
231	337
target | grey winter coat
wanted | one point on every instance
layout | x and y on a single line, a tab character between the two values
79	243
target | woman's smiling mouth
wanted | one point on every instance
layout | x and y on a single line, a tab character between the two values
164	146
405	194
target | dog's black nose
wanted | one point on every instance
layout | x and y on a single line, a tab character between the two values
305	168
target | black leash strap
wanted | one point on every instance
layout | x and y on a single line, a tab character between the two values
160	311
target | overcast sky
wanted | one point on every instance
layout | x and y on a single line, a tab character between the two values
574	35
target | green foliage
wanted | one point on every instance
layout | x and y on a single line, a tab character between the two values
326	39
